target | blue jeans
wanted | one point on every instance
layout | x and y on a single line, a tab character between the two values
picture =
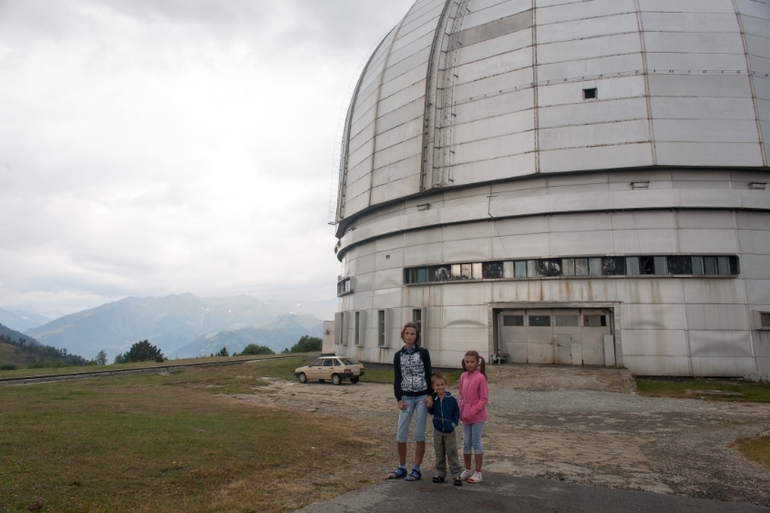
414	406
472	438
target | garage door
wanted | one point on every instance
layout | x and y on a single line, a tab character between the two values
559	336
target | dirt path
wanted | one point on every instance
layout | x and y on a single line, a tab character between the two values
574	424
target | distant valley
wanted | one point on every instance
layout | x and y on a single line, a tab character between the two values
184	325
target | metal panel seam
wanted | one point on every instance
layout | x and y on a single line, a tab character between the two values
762	148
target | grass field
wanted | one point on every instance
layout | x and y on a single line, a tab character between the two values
162	443
704	388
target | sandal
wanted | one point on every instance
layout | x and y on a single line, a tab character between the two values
438	479
458	481
414	475
399	473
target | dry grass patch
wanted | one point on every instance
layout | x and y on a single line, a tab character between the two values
756	449
166	443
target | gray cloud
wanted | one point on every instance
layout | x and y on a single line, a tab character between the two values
150	147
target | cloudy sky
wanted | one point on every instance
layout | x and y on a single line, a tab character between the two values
154	147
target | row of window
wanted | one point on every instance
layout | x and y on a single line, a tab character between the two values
679	265
591	321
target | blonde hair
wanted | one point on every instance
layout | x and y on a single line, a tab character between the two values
481	367
438	375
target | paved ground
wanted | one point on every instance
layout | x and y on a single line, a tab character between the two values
564	427
502	493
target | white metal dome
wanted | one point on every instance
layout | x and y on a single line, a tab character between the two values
470	91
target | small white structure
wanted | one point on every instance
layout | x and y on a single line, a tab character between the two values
327	341
561	181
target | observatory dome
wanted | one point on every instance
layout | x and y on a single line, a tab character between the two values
493	146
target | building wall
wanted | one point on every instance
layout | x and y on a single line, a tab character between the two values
518	130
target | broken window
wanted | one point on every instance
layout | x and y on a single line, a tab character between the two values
613	266
549	267
492	270
679	264
442	273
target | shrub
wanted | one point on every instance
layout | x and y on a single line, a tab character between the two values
255	349
307	344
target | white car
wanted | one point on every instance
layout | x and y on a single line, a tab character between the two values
335	368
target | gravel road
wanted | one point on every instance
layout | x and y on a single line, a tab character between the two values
574	424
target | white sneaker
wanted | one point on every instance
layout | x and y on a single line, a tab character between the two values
466	474
475	478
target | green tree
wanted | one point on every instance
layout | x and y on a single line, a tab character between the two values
255	349
307	344
223	352
101	358
141	352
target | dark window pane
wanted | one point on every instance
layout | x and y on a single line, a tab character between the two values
697	265
539	320
549	267
710	265
594	321
679	264
647	265
734	269
765	319
613	266
660	265
513	320
723	267
492	270
566	320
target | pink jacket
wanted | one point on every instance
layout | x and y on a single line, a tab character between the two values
474	396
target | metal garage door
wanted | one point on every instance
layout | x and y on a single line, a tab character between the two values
573	336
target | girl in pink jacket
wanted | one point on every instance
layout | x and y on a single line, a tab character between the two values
474	396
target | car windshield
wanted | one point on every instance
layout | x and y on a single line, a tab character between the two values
349	361
317	363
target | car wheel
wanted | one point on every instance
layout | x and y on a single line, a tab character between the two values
302	377
354	379
336	379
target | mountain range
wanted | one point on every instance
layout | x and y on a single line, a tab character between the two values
184	325
20	320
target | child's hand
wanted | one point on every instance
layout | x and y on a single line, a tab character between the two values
429	402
